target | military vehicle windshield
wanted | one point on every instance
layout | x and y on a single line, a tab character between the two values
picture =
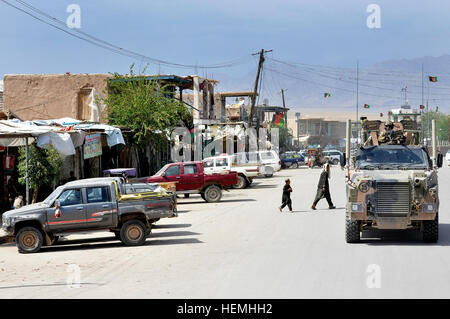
391	157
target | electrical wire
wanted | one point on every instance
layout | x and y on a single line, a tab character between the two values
109	46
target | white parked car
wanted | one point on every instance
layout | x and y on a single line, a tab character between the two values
333	155
224	163
269	160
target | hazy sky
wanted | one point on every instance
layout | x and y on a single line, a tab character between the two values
202	32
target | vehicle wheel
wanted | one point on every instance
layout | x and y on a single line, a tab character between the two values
213	194
294	165
431	230
203	196
29	240
241	183
186	195
352	231
335	161
133	233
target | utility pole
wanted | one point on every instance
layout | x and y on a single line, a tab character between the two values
255	90
357	99
284	106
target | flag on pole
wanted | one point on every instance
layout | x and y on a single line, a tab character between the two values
326	95
366	106
432	78
278	119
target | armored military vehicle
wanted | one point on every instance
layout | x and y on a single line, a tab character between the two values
392	180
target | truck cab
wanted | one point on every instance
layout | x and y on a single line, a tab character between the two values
190	178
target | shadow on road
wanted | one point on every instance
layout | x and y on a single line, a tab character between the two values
173	234
157	226
112	242
259	186
50	285
404	237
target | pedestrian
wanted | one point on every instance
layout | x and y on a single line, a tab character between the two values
286	199
18	202
12	191
323	188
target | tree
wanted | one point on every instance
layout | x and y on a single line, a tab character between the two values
43	167
145	107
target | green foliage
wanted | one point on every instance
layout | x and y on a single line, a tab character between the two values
145	107
43	166
441	124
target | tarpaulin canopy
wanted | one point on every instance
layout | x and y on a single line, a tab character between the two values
64	134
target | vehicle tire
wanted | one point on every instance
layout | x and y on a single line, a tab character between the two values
29	240
431	230
203	196
241	183
335	161
352	231
294	165
186	195
213	194
133	233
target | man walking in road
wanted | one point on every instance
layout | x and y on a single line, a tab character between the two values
323	188
286	199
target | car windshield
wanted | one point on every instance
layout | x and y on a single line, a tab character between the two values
391	157
161	170
49	200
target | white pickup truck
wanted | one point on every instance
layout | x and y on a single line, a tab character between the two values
225	163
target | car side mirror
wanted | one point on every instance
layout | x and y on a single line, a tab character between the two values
57	204
343	159
440	160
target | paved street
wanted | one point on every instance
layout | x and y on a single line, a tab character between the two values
242	247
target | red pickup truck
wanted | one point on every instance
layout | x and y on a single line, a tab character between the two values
191	178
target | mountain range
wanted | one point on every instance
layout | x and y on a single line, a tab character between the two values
382	86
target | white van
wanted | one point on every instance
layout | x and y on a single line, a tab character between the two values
222	163
269	160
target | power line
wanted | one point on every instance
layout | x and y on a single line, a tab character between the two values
109	46
353	82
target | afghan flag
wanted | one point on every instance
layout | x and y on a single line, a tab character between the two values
366	106
278	119
422	107
432	78
326	95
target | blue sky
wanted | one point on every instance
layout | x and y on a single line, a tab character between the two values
205	32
